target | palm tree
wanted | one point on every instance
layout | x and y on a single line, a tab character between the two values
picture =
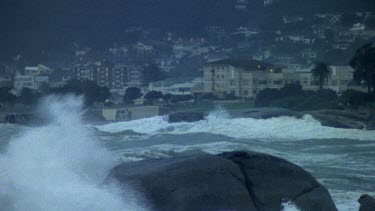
322	72
363	62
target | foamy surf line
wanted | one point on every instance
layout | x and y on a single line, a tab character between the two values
60	166
218	122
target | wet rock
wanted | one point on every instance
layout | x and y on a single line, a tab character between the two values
341	119
185	117
266	113
228	181
271	181
198	182
367	203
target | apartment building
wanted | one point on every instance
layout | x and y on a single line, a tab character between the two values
246	78
113	76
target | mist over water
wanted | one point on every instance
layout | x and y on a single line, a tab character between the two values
60	166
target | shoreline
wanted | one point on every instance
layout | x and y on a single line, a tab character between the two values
345	118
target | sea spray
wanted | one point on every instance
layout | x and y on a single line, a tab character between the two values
60	166
219	122
289	206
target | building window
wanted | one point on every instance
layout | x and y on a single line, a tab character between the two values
217	76
245	92
277	82
262	82
245	82
222	76
232	82
232	92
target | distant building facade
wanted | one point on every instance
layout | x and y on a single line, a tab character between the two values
38	70
241	4
33	78
245	79
29	81
184	88
113	76
130	113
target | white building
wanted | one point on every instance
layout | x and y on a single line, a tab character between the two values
38	70
29	81
184	88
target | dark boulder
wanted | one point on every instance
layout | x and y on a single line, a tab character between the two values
200	182
367	203
229	181
341	119
272	180
186	117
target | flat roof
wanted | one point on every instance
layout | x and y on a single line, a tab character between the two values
242	63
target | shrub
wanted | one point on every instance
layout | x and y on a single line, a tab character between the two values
354	98
180	98
266	96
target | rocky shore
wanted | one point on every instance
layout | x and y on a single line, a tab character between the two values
349	119
228	181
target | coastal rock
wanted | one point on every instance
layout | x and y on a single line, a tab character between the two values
341	119
266	113
367	203
272	180
186	117
229	181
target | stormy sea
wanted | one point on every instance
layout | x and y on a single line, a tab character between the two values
62	164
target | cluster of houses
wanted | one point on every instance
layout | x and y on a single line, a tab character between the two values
236	62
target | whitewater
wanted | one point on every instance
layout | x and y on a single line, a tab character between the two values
341	159
62	165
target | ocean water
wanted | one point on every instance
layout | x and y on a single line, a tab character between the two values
61	166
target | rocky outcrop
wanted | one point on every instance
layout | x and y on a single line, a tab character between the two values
343	119
367	203
348	119
272	180
229	181
185	117
266	113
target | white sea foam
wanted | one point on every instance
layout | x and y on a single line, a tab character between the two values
60	166
289	206
273	129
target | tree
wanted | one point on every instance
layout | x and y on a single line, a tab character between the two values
6	97
321	71
131	94
266	96
153	95
167	97
363	62
28	96
89	89
152	73
291	90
